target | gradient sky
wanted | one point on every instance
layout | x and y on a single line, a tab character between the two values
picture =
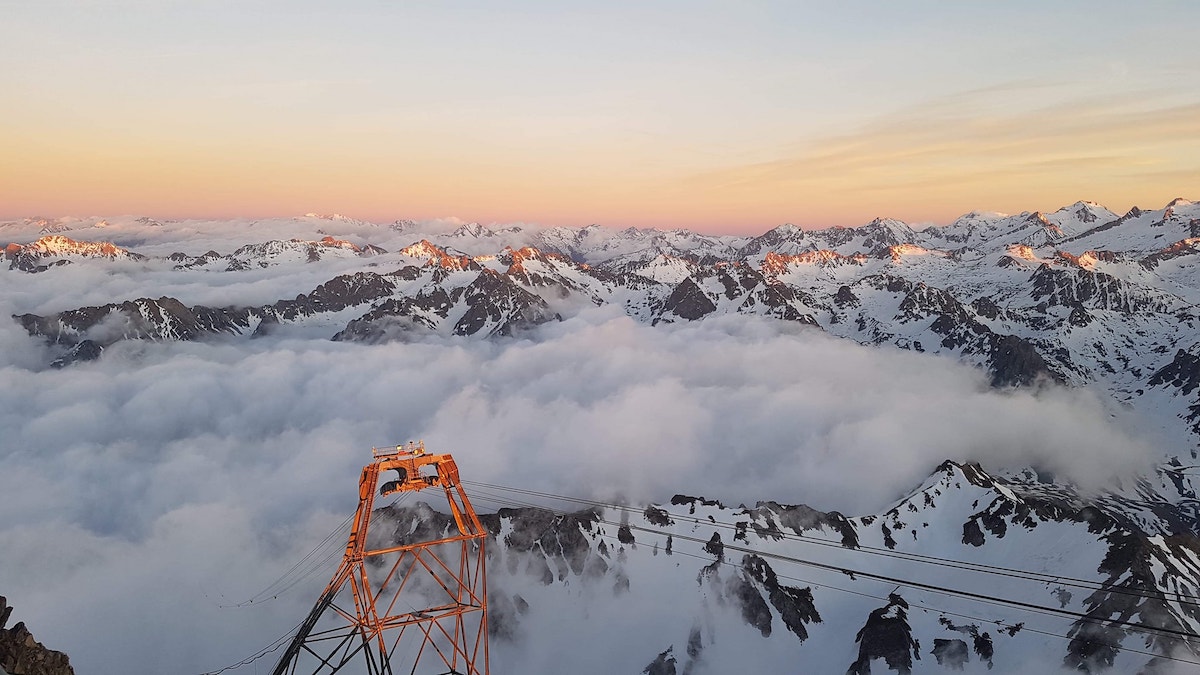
720	117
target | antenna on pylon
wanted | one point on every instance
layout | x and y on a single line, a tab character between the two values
418	608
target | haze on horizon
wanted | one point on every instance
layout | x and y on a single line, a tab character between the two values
712	117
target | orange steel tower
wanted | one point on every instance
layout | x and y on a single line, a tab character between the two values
417	607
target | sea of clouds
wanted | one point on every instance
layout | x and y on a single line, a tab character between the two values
143	494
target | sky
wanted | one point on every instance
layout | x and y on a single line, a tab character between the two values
717	117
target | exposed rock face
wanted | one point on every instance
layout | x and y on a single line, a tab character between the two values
663	664
798	519
887	636
347	290
558	544
746	597
689	302
795	605
21	654
85	350
951	654
1094	290
498	306
1183	375
1015	362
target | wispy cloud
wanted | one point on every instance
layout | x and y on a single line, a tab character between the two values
984	144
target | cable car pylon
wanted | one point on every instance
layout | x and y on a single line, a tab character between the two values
418	607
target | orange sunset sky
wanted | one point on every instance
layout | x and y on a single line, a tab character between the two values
719	117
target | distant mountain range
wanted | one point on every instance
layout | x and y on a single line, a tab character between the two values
1080	295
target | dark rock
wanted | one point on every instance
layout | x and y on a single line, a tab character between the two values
679	500
560	538
688	301
1015	362
142	319
497	303
663	664
21	654
715	546
336	294
754	609
85	350
982	643
1183	373
1077	287
799	518
952	654
657	516
986	307
503	616
795	605
845	297
888	636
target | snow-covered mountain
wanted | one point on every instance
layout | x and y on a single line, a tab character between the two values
57	249
1080	296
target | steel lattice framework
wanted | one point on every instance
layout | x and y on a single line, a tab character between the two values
418	607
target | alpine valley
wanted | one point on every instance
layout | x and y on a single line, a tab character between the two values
976	569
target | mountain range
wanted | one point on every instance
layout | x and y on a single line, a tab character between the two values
1079	297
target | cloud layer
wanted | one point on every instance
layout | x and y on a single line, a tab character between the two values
143	491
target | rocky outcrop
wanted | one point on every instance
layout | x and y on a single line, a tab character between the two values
1095	290
142	319
795	605
1015	362
347	290
663	664
1183	374
21	654
887	636
688	301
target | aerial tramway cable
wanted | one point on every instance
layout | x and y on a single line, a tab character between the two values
1044	578
1167	632
1141	628
1026	575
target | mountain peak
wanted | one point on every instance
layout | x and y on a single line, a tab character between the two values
423	249
473	230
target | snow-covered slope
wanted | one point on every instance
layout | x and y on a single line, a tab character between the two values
768	586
